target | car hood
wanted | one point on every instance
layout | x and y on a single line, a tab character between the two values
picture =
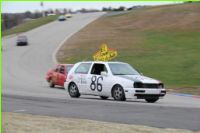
139	78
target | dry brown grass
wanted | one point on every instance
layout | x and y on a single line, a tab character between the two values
163	18
128	29
25	123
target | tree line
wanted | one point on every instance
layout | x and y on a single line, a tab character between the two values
10	20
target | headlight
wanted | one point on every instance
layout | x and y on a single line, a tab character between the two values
161	86
138	85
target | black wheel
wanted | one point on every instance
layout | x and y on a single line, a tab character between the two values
118	93
152	100
73	90
103	97
51	84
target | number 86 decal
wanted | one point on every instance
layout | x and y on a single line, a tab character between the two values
97	85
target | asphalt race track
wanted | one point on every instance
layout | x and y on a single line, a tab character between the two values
25	68
26	91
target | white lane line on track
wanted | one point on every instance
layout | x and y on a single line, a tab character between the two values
59	46
185	95
66	38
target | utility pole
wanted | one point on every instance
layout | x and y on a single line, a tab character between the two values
42	5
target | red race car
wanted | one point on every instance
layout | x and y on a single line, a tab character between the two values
58	75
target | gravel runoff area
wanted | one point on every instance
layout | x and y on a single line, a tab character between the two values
23	123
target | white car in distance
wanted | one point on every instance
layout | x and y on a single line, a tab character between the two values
112	79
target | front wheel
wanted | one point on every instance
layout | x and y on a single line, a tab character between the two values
118	93
151	100
51	84
73	90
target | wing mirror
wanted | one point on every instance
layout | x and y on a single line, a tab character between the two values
104	74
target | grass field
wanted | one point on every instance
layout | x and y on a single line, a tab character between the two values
29	25
163	42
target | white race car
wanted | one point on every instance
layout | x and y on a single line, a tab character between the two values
112	79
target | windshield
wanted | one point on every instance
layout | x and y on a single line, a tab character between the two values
122	69
61	16
69	68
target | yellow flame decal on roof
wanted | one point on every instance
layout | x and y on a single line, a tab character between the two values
104	54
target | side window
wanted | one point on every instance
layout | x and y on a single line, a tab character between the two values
57	68
83	68
98	68
62	69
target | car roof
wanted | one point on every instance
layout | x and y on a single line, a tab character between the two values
102	62
21	36
66	64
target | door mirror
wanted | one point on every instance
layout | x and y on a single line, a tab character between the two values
104	74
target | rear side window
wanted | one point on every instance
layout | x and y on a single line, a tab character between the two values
83	68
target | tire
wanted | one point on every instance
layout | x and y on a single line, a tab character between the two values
51	84
103	97
151	100
118	93
73	90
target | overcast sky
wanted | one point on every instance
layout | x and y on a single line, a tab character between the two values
13	7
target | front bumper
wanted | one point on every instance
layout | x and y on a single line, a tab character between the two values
142	93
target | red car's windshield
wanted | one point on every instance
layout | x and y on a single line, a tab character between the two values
69	68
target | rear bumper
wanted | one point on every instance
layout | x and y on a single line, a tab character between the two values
47	80
61	19
22	43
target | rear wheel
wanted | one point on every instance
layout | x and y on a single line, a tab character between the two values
51	84
118	93
151	100
103	97
73	90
